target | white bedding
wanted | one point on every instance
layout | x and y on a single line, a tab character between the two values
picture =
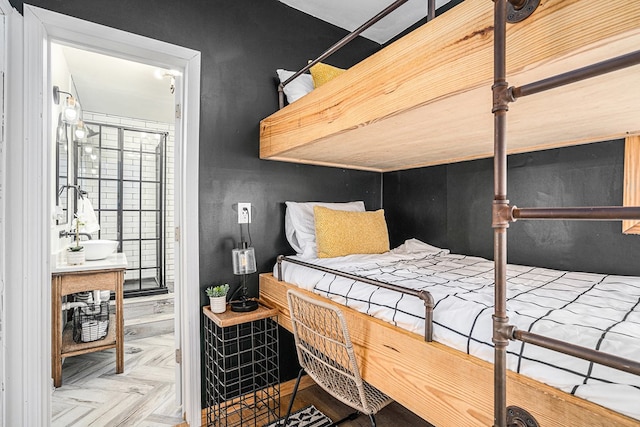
592	310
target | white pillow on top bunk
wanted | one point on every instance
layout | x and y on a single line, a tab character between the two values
298	87
300	227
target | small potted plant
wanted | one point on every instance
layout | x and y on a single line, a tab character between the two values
75	253
218	297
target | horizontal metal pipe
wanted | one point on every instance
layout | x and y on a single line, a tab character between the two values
425	296
355	277
606	213
352	35
579	74
602	358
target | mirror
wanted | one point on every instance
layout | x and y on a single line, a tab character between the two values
62	173
76	159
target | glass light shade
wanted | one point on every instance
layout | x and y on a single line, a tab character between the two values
80	131
61	131
244	260
71	111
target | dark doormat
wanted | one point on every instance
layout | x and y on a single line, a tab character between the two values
305	417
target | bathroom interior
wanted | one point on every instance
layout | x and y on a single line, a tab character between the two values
112	194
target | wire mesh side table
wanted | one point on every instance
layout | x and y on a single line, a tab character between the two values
242	378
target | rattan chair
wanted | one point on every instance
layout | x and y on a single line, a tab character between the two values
326	354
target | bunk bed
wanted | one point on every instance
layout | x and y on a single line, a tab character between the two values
423	101
443	385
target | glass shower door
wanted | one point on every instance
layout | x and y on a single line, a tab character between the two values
123	169
142	221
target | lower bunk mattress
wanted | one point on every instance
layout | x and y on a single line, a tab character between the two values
597	311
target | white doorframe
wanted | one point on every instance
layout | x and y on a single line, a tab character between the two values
5	9
28	399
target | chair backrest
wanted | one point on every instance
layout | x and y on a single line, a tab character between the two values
325	350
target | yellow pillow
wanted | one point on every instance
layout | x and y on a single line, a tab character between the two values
322	73
340	233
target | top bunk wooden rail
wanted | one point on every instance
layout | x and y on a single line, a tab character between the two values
422	100
431	12
424	295
503	213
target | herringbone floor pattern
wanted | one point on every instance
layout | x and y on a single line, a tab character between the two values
143	395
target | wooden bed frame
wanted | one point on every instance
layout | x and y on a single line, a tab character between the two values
444	386
425	99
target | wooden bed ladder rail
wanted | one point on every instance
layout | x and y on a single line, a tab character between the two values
424	295
503	213
431	13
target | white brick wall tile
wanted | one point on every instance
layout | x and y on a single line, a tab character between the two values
108	160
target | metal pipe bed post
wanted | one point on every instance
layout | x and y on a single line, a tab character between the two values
281	96
500	204
280	259
431	10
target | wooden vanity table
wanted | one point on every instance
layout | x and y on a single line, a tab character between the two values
107	274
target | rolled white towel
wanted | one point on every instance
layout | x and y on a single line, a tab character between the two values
87	215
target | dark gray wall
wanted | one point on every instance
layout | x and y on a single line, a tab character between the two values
242	43
450	206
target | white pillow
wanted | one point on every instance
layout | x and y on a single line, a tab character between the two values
300	227
298	87
413	246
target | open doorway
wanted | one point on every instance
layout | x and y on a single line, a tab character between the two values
119	155
30	400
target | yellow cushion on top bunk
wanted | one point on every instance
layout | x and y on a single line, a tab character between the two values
322	73
340	233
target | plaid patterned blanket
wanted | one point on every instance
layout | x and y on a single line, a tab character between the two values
592	310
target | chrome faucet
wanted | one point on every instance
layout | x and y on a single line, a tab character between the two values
81	192
72	233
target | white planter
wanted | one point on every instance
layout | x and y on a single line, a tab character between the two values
218	304
75	257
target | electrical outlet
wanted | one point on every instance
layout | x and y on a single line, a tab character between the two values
244	213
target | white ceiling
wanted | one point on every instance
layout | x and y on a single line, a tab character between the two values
351	14
119	87
124	88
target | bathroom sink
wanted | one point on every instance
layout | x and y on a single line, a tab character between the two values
98	249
